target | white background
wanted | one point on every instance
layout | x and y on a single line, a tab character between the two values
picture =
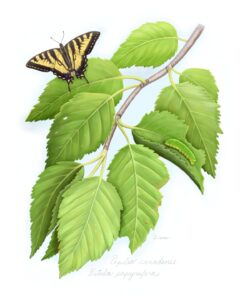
194	251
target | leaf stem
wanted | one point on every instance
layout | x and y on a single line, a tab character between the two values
94	170
103	166
173	84
176	72
121	123
188	45
123	131
182	39
101	155
129	87
133	77
116	78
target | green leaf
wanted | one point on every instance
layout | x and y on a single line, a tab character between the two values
89	222
80	127
103	76
44	194
203	78
55	210
54	243
200	112
53	246
156	128
150	45
138	174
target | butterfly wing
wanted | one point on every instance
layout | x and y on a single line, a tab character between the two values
51	60
79	48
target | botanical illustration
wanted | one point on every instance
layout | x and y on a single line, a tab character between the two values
86	213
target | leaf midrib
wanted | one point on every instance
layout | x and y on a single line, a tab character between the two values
198	129
136	192
190	79
52	103
50	200
89	215
193	81
82	125
146	42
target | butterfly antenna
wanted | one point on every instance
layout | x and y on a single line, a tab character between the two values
54	40
62	37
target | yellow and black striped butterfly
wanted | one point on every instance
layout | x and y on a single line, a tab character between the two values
66	61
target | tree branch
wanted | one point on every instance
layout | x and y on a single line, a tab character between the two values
190	42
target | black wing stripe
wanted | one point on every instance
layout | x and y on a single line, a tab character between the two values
80	71
53	54
77	40
90	46
72	47
38	67
47	56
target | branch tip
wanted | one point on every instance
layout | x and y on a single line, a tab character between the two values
188	45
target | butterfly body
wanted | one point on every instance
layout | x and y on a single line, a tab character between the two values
66	61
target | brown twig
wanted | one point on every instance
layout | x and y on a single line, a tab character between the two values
190	42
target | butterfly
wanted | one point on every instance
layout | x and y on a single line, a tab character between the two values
66	61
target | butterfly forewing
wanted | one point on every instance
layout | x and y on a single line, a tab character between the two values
50	60
41	62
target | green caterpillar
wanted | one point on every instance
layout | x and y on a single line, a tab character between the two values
182	148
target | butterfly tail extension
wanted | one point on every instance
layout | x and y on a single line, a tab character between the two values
84	76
